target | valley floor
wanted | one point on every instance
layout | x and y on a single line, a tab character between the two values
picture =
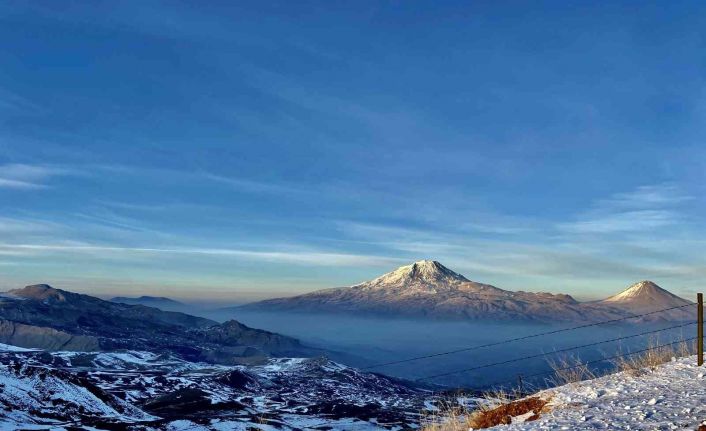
670	397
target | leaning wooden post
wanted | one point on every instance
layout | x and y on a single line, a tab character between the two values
700	328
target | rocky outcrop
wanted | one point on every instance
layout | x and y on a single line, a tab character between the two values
242	344
18	334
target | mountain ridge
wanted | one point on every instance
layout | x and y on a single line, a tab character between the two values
40	316
161	302
428	288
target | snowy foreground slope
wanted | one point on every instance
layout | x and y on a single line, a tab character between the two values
671	397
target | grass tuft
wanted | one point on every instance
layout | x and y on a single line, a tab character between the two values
652	358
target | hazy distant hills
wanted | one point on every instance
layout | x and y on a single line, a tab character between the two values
53	319
160	302
427	288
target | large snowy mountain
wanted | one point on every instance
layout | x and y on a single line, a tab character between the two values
427	288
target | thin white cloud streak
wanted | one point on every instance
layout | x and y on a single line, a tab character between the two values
250	185
313	258
246	185
650	196
107	221
25	176
12	225
155	207
7	183
628	221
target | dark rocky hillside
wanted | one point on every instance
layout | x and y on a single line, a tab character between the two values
44	317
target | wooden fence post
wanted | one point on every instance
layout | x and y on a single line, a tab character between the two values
700	328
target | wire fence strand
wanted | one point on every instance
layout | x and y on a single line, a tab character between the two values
539	355
522	338
597	361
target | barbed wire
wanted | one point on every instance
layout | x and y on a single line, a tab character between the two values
539	355
525	337
595	361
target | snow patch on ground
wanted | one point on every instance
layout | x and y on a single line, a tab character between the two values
10	348
673	396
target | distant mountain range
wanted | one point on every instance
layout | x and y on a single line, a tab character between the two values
160	302
429	289
41	316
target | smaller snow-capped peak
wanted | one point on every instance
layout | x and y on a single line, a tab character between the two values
646	294
638	289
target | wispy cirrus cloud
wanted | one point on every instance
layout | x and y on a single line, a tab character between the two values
18	184
626	221
645	208
13	225
649	196
10	101
251	186
27	176
240	184
302	257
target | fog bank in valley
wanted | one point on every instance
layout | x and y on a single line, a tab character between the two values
369	341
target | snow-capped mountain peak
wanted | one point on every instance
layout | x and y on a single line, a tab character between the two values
427	272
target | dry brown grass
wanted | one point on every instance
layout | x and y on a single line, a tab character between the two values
655	355
459	419
569	369
448	418
503	414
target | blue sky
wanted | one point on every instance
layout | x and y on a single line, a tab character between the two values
240	150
